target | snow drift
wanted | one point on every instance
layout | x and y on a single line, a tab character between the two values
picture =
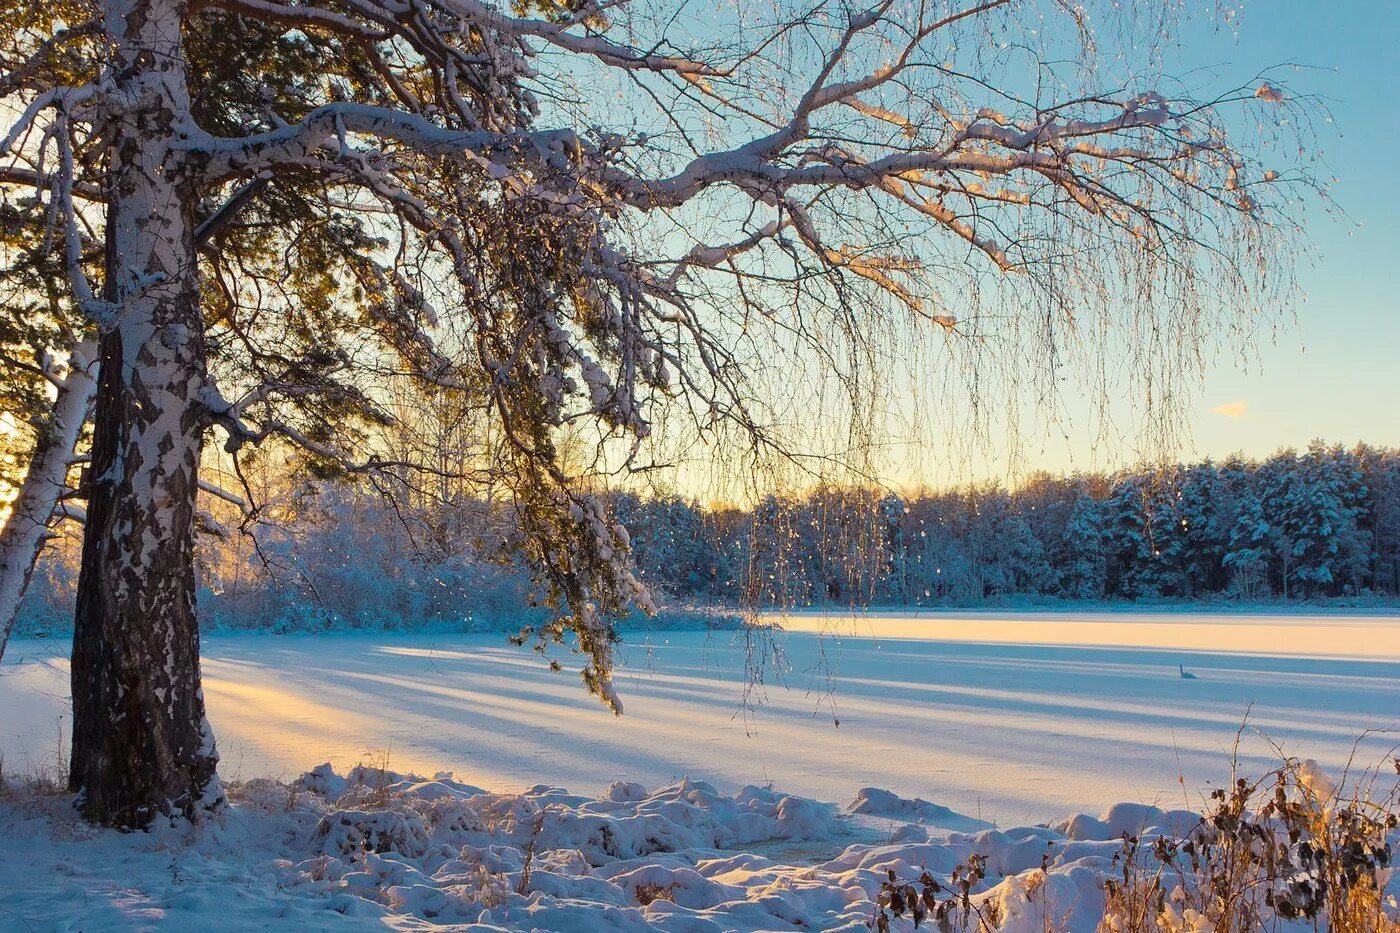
375	848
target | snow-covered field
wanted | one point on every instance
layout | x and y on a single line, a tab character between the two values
1002	717
995	720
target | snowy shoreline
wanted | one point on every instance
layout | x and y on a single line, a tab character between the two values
1338	606
700	618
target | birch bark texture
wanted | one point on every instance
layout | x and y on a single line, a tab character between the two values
45	483
142	745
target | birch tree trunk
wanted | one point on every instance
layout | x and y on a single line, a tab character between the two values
24	534
141	743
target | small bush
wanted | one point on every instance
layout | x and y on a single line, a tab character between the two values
1291	846
1292	849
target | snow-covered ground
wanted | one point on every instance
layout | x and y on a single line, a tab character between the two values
376	850
1006	718
973	720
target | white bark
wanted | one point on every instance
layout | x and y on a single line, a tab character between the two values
141	743
23	537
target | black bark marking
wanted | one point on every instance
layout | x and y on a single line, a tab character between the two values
139	748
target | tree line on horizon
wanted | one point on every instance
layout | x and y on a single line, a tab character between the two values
1323	522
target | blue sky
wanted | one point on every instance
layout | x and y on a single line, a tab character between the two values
1331	372
1336	374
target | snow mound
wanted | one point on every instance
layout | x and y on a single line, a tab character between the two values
877	802
348	832
1132	819
375	849
916	812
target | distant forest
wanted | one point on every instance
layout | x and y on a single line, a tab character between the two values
1324	522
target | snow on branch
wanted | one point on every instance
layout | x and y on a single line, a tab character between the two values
563	36
1102	152
325	129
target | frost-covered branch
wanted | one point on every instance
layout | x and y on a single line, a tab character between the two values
325	129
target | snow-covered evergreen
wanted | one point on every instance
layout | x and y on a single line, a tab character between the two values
1324	523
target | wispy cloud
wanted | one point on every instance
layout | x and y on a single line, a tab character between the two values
1231	409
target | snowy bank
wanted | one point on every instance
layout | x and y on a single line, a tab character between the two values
313	620
376	849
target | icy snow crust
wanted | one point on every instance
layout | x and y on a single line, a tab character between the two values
376	849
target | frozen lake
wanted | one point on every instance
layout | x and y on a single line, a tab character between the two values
1007	717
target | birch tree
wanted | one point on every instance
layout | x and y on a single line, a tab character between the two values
578	216
38	500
